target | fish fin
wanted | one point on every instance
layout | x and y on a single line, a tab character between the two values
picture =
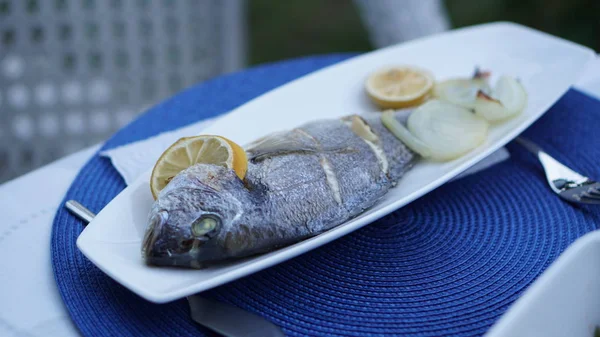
285	142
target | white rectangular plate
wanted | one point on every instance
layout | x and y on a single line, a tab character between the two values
564	301
546	65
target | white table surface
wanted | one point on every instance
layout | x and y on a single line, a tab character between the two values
30	304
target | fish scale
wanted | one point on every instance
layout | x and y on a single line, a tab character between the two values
357	169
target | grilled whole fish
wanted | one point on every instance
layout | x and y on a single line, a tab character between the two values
299	183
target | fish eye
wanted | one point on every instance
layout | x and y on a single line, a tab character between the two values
205	225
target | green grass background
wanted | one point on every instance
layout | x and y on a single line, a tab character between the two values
281	29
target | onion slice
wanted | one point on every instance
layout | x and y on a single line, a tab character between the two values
511	93
461	91
510	100
401	132
490	108
439	130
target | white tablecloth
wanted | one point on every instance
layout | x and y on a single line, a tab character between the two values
29	301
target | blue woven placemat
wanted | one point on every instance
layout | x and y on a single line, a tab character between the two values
450	263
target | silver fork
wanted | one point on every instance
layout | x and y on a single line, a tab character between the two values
225	319
565	182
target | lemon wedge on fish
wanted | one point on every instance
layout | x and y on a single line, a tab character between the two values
399	87
189	151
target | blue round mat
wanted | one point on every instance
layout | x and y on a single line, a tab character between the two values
450	263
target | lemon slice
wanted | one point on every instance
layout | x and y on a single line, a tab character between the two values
189	151
399	87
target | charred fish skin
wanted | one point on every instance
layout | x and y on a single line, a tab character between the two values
299	184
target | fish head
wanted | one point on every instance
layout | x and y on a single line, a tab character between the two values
192	215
